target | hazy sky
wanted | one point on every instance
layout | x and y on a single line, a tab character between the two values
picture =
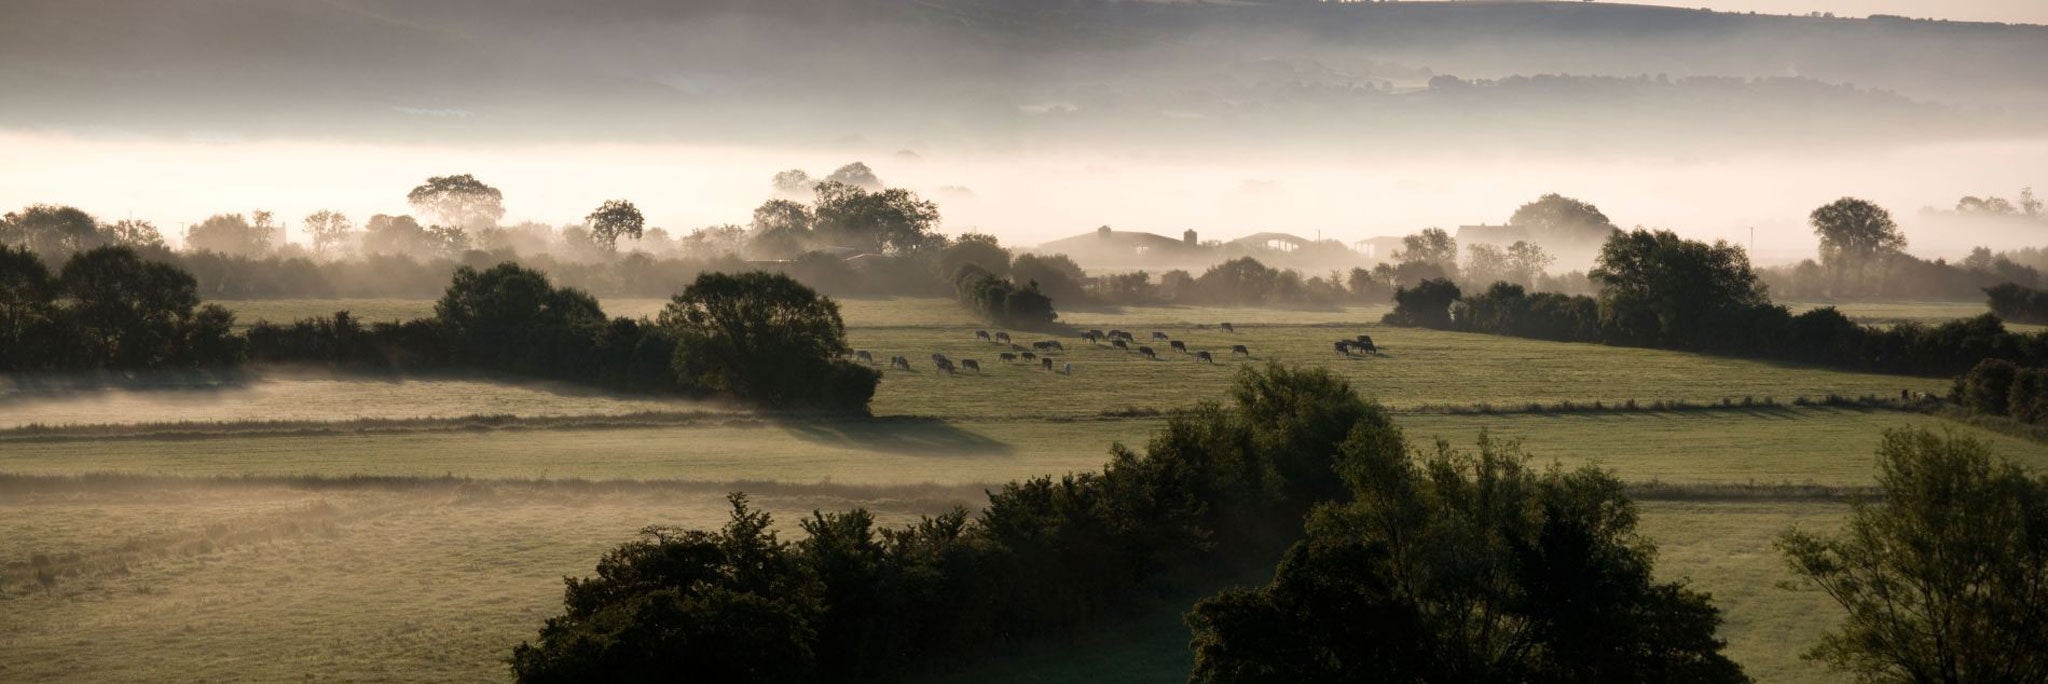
2010	11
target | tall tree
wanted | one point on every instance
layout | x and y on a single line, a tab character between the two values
1559	220
1431	246
613	219
461	201
1944	577
132	313
329	231
858	175
52	232
234	235
1853	234
893	220
1659	289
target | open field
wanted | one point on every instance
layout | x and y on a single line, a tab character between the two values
165	527
229	581
1786	445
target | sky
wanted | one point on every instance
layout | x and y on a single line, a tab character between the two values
2008	11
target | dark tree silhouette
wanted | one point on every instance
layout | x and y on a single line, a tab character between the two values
1854	233
459	201
1662	290
234	234
768	338
615	219
1463	567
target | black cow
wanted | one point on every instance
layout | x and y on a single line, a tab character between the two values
1227	327
1043	346
1120	344
1204	357
1047	361
1095	333
971	364
900	362
1006	356
1156	335
1092	337
1240	349
1179	346
944	365
1002	337
1364	344
1028	355
1344	347
981	334
1147	353
864	356
937	358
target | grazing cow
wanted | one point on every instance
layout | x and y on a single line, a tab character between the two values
1204	357
1028	355
1042	346
1095	333
1364	345
1048	362
1147	353
1056	345
1156	335
981	334
1344	347
1227	327
944	365
1092	337
899	362
1006	356
970	364
1120	344
1114	334
1069	370
1241	349
864	356
1002	337
938	358
1179	346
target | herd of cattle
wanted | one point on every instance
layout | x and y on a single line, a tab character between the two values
1041	352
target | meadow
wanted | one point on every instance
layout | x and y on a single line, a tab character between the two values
280	521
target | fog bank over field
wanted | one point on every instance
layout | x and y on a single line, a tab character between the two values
1028	196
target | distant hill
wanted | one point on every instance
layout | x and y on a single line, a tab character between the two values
972	69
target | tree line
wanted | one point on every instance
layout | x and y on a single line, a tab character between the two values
760	337
1659	290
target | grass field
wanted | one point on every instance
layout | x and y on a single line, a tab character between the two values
172	531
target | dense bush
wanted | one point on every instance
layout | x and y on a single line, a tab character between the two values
1427	305
2018	304
1996	387
1047	556
999	301
1464	567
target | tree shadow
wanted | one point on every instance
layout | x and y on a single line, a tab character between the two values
914	436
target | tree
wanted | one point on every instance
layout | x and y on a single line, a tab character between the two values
1561	220
1944	576
52	232
979	249
28	310
1527	262
1487	264
131	313
613	219
893	220
329	231
768	338
1431	246
401	235
793	184
134	233
856	174
1057	275
1853	233
2029	205
1662	290
1456	567
781	229
460	201
234	235
1428	304
511	317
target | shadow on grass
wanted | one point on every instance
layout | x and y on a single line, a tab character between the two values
914	436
